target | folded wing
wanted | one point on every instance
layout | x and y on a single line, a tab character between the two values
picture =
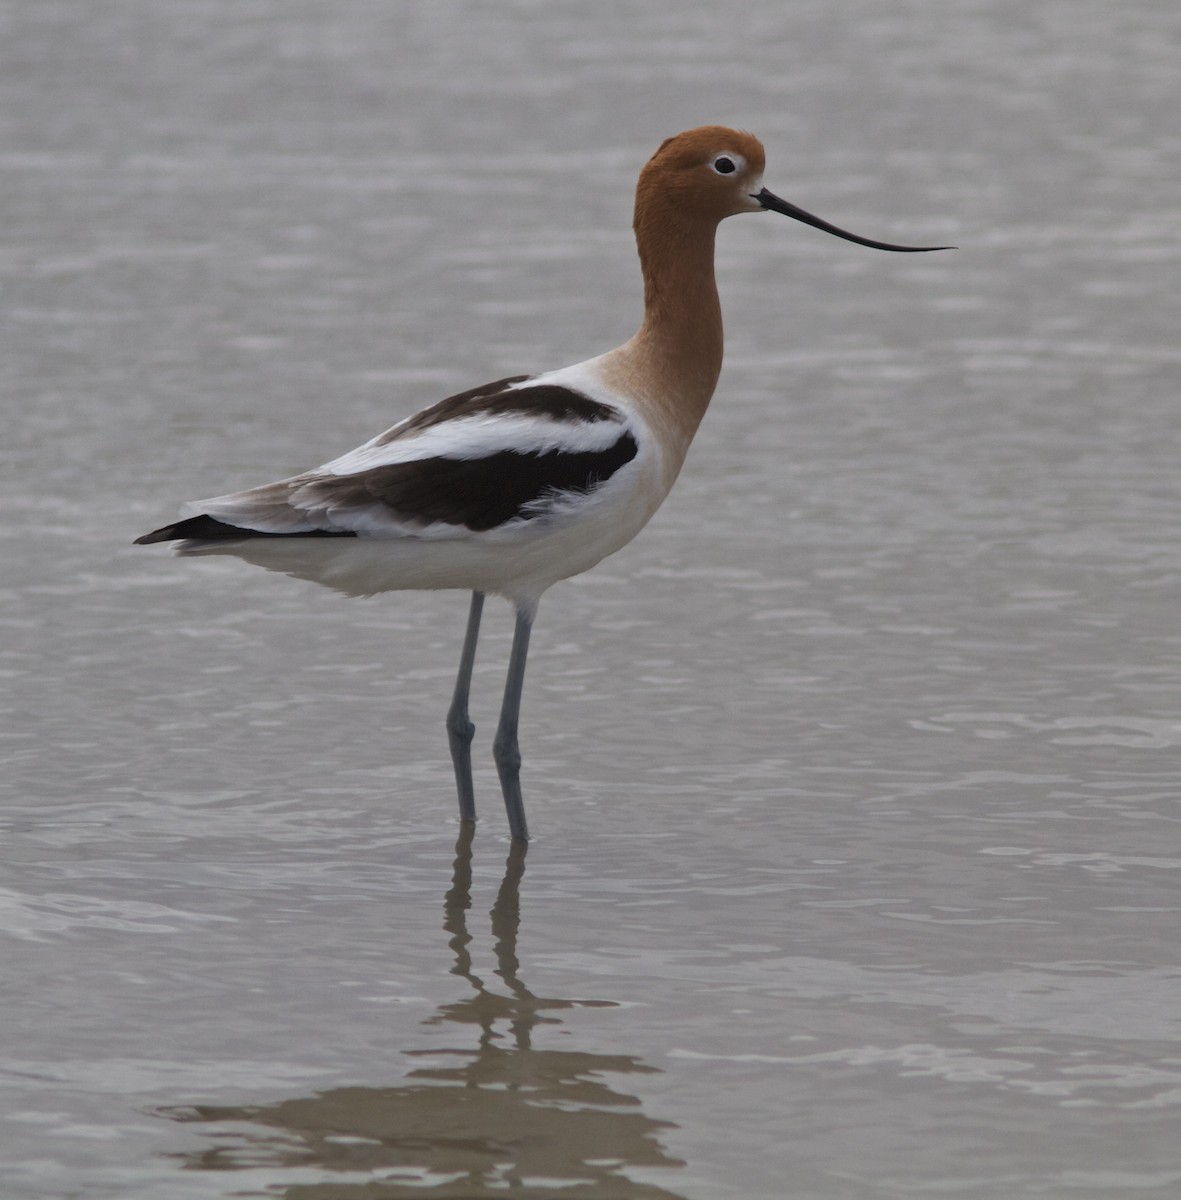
510	452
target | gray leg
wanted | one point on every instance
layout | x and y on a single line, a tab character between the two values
505	749
459	726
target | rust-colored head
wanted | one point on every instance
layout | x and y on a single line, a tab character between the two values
710	173
706	174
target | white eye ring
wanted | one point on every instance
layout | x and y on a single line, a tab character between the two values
727	164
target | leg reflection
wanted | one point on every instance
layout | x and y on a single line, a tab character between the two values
480	1115
520	1010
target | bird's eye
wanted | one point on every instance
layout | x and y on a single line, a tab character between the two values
724	165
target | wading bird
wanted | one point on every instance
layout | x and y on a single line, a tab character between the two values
510	487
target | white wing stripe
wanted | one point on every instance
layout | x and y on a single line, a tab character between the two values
479	437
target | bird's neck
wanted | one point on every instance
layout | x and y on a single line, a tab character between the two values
671	365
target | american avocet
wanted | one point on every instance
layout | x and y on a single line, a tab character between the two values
512	486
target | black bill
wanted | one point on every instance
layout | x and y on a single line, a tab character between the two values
772	202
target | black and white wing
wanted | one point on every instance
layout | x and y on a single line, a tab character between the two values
493	457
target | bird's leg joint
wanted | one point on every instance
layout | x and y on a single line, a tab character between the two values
460	727
507	752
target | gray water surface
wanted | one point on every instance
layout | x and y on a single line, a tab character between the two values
854	779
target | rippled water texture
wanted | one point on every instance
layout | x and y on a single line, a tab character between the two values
855	778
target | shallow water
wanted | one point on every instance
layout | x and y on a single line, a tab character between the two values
854	780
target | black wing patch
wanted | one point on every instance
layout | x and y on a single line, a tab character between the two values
205	528
479	493
502	399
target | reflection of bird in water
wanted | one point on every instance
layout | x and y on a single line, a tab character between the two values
511	487
503	1115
